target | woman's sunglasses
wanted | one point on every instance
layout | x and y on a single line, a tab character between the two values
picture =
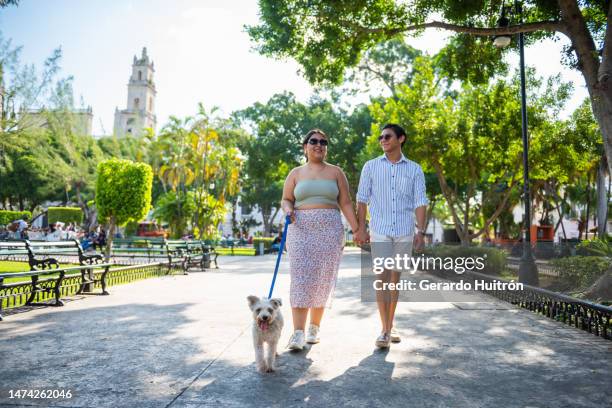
315	142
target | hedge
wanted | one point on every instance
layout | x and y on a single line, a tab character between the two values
7	217
580	271
65	215
123	191
267	241
494	263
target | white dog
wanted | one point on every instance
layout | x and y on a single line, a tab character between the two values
267	326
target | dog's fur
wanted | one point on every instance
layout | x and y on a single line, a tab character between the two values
267	326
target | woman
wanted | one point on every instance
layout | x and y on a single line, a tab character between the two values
312	196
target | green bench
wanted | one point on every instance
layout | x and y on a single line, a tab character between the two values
43	255
149	248
191	253
50	281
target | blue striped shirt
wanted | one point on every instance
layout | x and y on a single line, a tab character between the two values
392	191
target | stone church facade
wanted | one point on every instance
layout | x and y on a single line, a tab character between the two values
140	112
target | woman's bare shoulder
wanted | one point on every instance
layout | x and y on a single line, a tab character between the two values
337	170
295	172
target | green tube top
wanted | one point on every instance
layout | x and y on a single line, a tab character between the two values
316	191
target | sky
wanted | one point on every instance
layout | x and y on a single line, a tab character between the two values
200	50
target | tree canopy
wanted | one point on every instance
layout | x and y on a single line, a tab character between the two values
327	37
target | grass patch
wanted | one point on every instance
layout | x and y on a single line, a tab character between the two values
16	266
13	266
236	251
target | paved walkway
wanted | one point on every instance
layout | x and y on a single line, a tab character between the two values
184	341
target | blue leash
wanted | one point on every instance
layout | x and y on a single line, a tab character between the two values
280	253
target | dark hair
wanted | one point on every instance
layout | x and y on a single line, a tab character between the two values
398	130
309	135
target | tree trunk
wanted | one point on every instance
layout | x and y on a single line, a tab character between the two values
602	110
602	288
561	222
602	198
588	205
265	217
109	239
429	212
597	73
465	237
234	220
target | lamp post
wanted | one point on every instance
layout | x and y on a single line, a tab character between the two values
528	270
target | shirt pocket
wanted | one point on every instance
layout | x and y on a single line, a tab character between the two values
406	187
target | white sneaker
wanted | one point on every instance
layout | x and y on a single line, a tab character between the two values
394	336
383	341
313	334
296	342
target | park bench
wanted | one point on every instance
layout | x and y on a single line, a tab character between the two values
135	249
190	253
194	253
51	281
45	254
13	250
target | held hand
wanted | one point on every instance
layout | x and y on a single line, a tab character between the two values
361	237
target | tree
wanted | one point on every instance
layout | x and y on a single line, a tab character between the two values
217	163
327	37
123	193
167	210
273	150
42	155
22	88
278	127
470	139
6	3
198	156
588	140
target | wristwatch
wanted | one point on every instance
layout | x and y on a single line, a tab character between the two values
420	231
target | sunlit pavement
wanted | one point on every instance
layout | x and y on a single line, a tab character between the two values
184	341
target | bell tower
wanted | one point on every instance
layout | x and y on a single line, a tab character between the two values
140	112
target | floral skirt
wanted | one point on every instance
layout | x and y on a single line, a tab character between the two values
314	244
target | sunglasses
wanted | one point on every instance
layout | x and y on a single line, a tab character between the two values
384	137
315	142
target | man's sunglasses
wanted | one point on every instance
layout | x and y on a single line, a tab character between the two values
385	137
315	142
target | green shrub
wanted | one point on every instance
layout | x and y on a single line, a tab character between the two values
595	247
6	216
65	215
267	241
580	271
123	193
494	262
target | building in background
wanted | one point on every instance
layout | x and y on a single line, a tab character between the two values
140	112
80	120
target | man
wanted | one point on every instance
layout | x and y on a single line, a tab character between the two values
393	188
20	227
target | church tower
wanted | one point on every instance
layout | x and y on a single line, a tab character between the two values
140	112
